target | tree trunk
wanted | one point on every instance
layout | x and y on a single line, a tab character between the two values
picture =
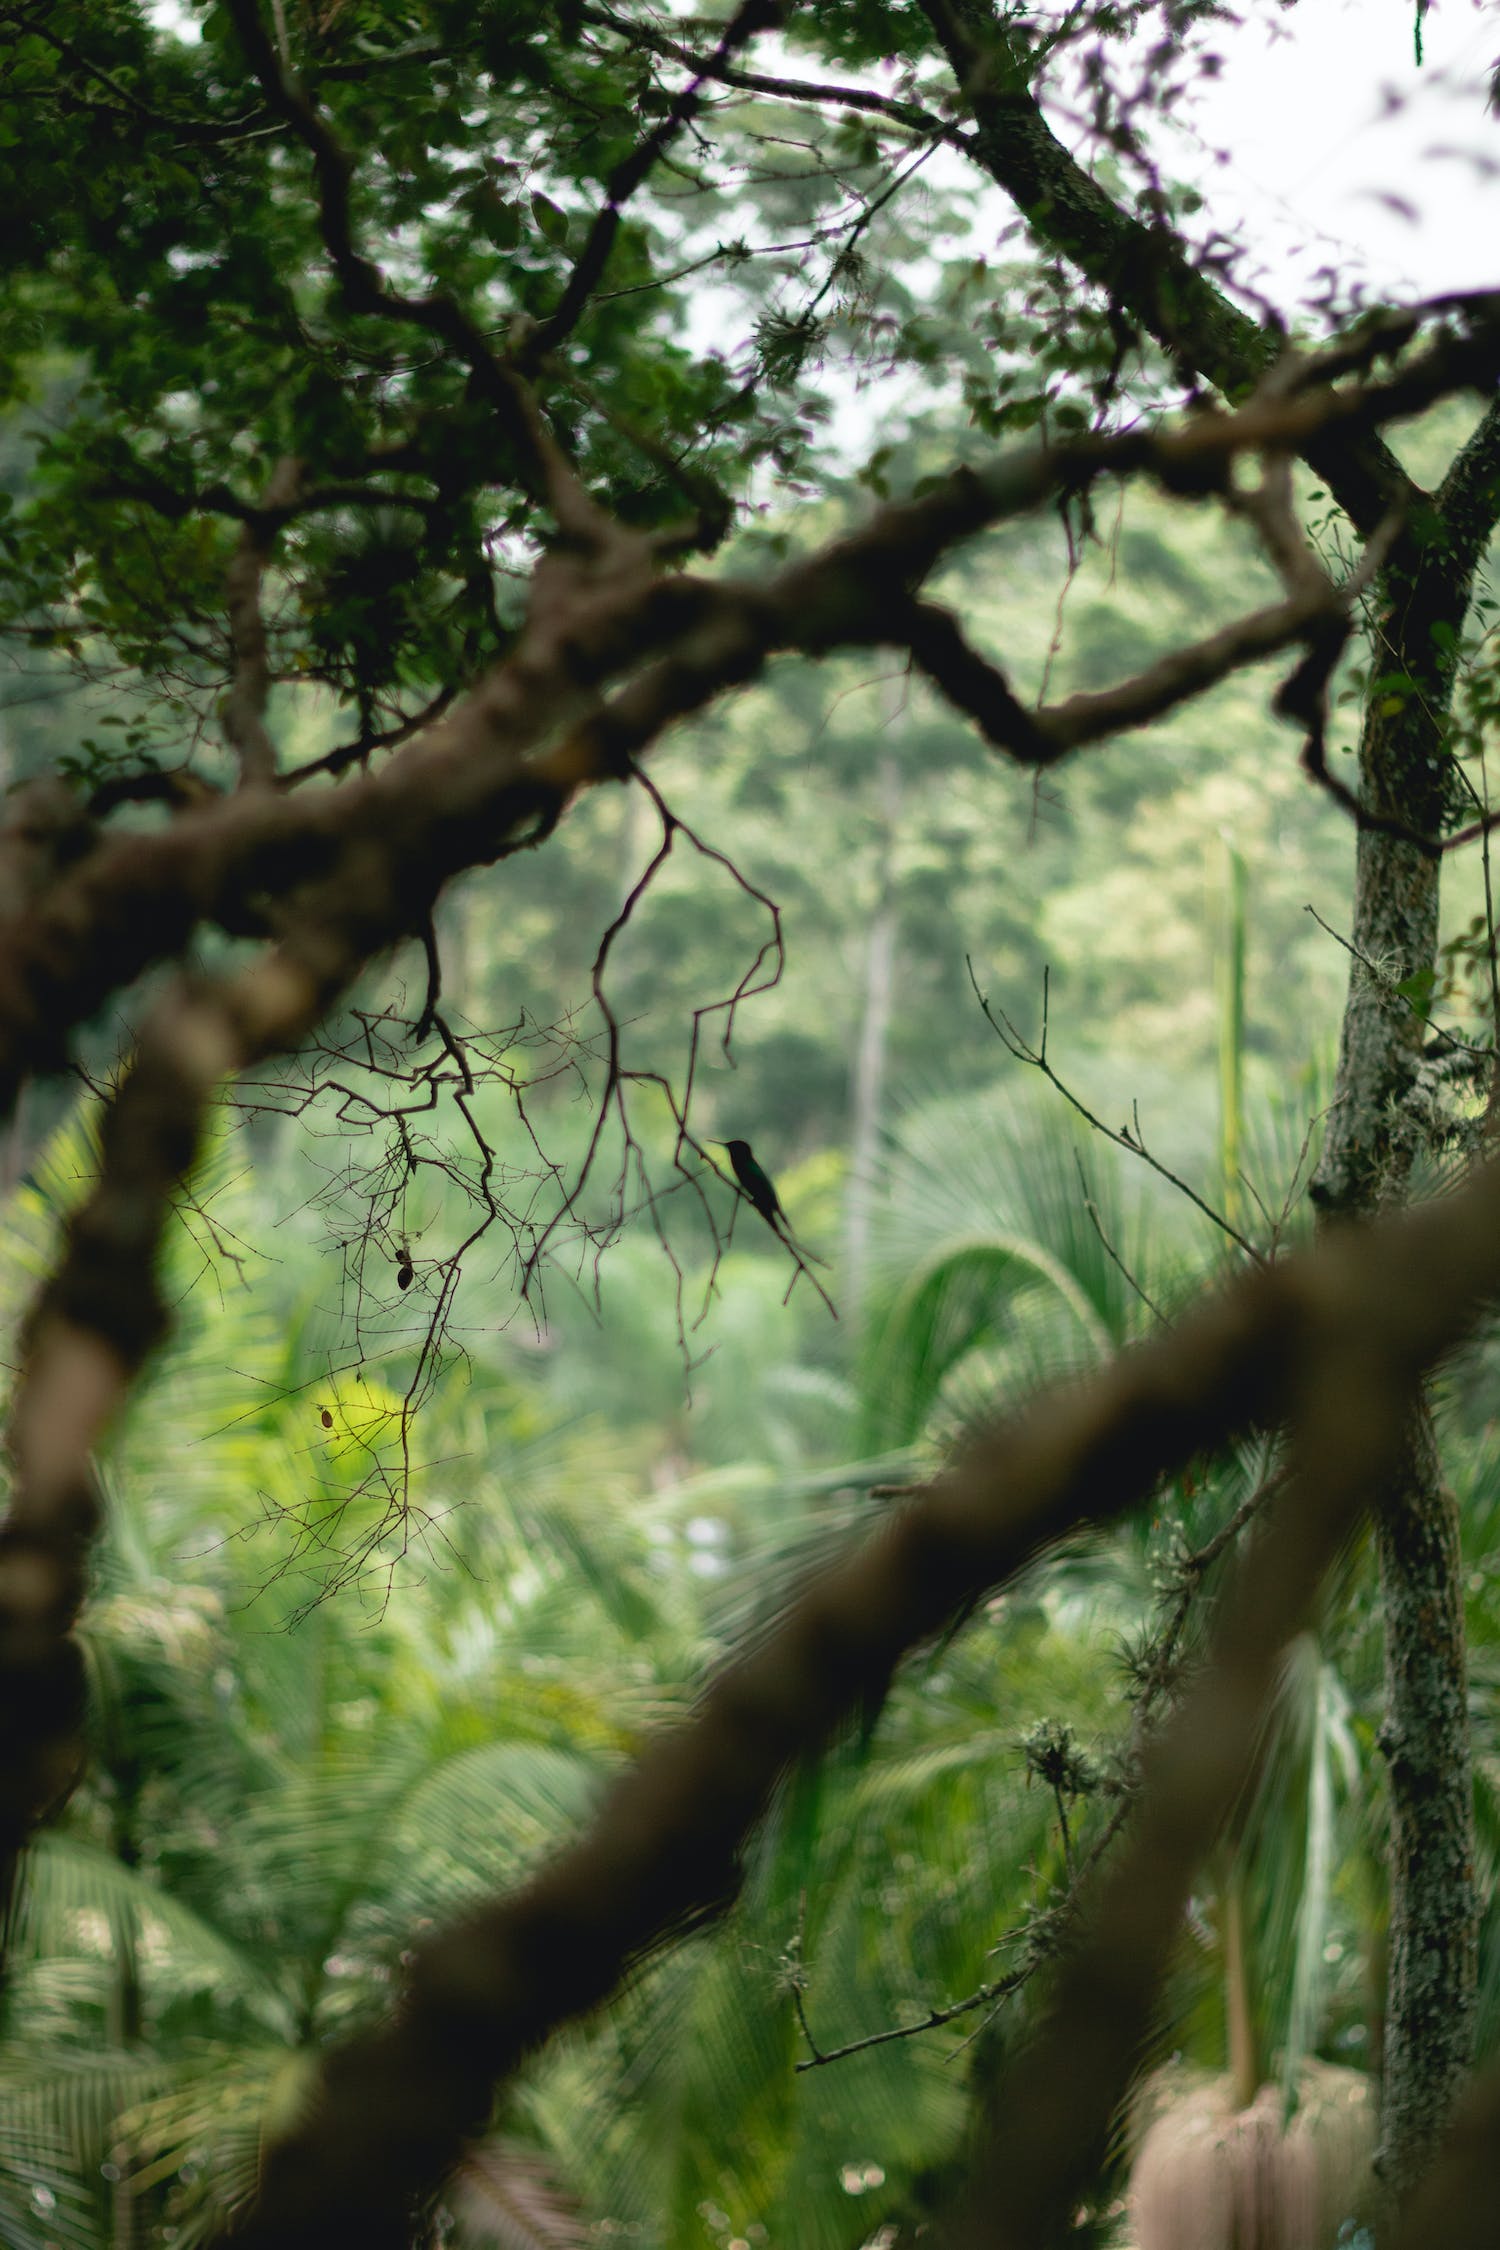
879	982
1375	1131
1434	1922
1149	274
1239	2009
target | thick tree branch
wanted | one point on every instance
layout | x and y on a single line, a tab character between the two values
483	781
1336	1338
1468	499
1039	737
96	1320
1363	1368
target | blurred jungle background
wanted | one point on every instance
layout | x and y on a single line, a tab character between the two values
431	1509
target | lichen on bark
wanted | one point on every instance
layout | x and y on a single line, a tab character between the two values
1374	1135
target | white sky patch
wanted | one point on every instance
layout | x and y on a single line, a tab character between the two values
170	15
1337	144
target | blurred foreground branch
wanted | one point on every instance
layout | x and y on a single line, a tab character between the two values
1333	1343
613	652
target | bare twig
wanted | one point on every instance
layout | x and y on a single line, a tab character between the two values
988	1995
1037	1058
1113	1255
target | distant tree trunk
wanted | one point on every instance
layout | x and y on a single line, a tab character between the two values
1239	2008
124	2004
1374	1133
878	988
15	1144
1230	978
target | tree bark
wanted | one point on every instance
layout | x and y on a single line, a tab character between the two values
1375	1132
1434	1920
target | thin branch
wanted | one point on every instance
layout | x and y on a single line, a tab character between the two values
1010	1038
988	1994
925	122
750	17
545	469
1113	1255
252	126
1451	1043
359	752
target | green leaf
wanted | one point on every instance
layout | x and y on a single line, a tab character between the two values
497	216
552	220
1418	989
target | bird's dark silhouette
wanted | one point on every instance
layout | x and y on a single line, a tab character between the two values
755	1183
755	1186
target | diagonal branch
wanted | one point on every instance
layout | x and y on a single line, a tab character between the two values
499	770
1038	738
750	17
1157	1667
1364	1365
1038	1059
925	122
1468	499
1336	1337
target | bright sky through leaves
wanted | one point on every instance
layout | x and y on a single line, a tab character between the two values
1337	141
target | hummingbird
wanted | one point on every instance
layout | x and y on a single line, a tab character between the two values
755	1184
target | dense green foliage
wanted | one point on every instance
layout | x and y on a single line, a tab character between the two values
460	1469
272	1812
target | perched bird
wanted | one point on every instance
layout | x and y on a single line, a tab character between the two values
756	1184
